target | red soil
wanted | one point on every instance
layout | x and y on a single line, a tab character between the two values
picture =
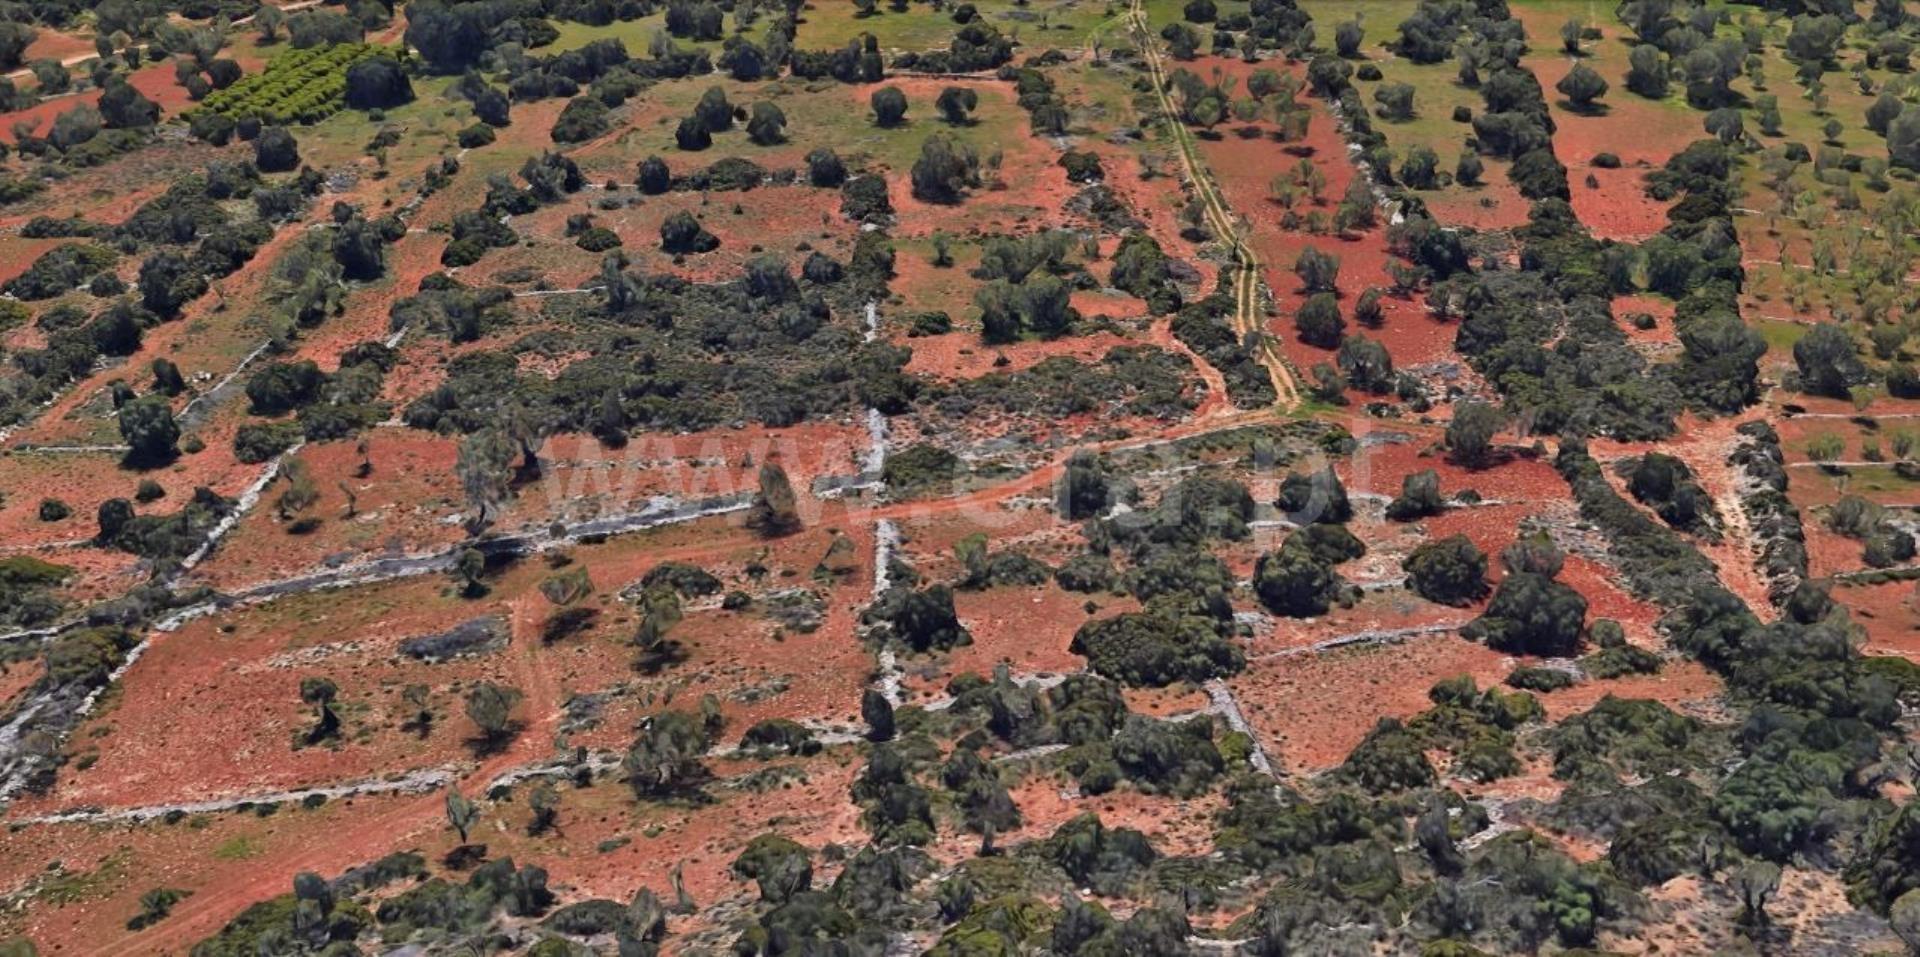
1303	708
154	82
961	355
1889	612
1642	133
412	502
1659	307
54	45
1244	168
1494	204
1619	207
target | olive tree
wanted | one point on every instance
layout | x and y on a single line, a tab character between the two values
889	106
148	428
461	813
956	104
1582	86
490	708
1470	433
319	693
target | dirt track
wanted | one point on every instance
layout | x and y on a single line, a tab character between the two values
1246	266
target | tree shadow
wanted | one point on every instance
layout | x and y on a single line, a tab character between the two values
141	461
661	656
490	743
464	857
420	726
1593	109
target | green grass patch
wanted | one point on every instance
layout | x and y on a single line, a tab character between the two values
239	849
1780	334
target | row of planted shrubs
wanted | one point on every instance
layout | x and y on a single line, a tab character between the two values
298	86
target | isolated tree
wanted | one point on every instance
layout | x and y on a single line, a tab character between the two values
664	758
276	151
76	127
1582	86
1395	101
50	77
1470	434
1265	83
767	126
1085	489
654	177
490	708
1468	171
1419	497
1319	323
824	168
1767	113
1815	39
319	694
113	517
744	60
299	493
1420	169
956	103
660	611
223	73
1318	497
1533	555
461	813
681	233
1451	571
544	802
1366	365
417	698
889	106
1347	37
944	171
1208	112
692	135
1367	310
147	426
779	866
1570	32
1318	271
767	278
713	111
774	510
167	379
1183	42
